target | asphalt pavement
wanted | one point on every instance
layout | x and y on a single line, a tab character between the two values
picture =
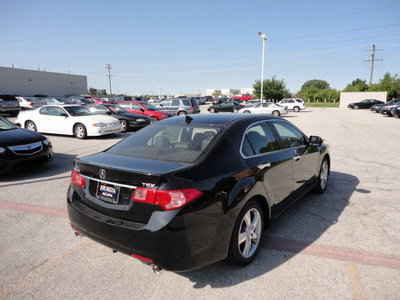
344	244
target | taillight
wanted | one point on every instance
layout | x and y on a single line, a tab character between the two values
77	179
191	108
31	103
168	200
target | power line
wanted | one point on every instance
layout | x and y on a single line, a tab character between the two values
372	60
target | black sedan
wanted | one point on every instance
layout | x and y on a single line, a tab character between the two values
129	121
227	106
396	111
20	147
186	192
365	104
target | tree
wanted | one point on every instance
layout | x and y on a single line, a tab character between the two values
273	89
216	93
317	83
357	85
388	84
235	92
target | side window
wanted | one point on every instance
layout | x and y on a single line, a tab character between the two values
125	105
136	106
289	135
259	139
44	110
175	103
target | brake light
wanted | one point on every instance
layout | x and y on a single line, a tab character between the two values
31	103
168	200
77	179
191	108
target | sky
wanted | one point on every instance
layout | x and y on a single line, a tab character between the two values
185	47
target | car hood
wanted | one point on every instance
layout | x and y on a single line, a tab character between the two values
131	116
132	164
19	137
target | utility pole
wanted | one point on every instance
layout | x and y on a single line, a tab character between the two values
108	67
372	60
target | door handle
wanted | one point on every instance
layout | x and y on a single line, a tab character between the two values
296	158
262	166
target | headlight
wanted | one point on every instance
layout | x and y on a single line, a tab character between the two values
99	125
46	142
2	150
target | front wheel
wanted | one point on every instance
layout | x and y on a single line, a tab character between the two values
247	234
235	110
323	177
80	131
212	110
153	120
124	125
246	111
356	107
182	113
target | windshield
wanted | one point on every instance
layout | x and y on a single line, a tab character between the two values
172	142
149	106
6	125
77	111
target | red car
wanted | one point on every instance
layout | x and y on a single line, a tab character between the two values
146	109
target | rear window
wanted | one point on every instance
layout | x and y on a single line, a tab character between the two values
172	142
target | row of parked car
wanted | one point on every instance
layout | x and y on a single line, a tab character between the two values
390	108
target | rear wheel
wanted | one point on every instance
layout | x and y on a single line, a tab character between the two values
247	234
30	125
276	113
235	110
296	109
153	120
80	131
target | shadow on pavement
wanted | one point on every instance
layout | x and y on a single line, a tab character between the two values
295	230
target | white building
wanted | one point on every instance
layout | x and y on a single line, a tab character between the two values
29	82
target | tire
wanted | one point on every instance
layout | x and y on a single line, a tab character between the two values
322	177
296	109
124	125
212	110
235	110
276	113
153	120
247	234
246	112
182	113
356	107
30	125
80	131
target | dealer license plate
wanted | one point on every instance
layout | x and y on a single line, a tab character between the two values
107	192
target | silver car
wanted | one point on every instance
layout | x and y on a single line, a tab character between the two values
266	108
179	106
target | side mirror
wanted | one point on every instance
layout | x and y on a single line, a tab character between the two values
315	141
160	105
64	115
142	110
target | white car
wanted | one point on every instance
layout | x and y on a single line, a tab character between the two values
295	104
30	102
266	108
69	120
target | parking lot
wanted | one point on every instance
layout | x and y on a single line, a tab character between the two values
344	244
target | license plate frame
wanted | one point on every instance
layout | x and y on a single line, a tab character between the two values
107	192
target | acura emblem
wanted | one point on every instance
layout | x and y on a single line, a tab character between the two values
29	147
102	173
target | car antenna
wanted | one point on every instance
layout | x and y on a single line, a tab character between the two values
188	120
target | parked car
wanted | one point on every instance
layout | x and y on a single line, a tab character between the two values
146	109
200	100
243	97
193	190
220	100
365	104
376	107
55	100
69	120
125	98
226	106
396	111
30	102
79	100
20	147
9	105
252	102
387	109
179	106
295	104
129	121
266	108
209	98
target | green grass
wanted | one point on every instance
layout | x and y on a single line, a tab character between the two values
322	104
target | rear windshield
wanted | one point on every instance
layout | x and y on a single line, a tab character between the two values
169	142
7	97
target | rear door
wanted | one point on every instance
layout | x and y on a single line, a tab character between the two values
273	165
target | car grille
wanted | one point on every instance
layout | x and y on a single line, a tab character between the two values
28	149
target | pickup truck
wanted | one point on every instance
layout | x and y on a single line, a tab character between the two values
244	97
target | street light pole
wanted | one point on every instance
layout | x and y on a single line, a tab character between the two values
264	38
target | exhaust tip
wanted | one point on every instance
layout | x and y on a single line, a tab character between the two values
156	269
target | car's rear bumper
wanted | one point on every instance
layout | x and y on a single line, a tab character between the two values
170	240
